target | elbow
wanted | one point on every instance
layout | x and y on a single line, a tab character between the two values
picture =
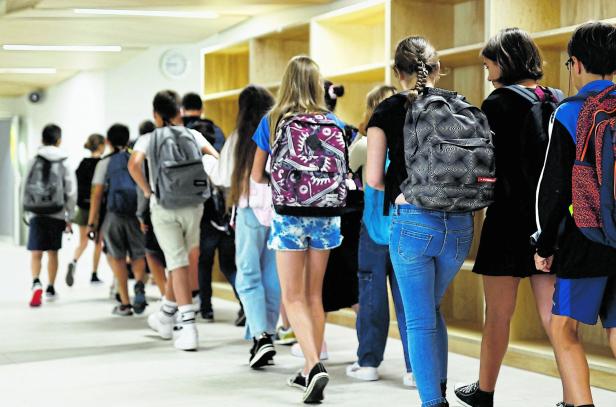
375	182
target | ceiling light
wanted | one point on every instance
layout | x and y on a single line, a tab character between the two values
147	13
28	71
64	48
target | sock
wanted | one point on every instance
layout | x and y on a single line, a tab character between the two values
188	314
36	281
444	388
168	308
587	405
74	261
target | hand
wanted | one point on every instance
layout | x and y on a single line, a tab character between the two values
147	194
144	228
69	228
543	264
92	233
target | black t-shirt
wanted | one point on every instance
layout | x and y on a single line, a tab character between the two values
389	116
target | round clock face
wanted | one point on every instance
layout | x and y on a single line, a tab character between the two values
173	64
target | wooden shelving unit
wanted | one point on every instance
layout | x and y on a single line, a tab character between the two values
354	46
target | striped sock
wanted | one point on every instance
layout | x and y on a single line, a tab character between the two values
188	314
168	308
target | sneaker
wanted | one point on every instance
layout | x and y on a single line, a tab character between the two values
208	315
70	274
408	379
316	382
37	294
241	318
296	351
50	294
472	396
162	324
139	302
563	404
122	310
263	351
298	381
368	374
95	280
285	336
187	338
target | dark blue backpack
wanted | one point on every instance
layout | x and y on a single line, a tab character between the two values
121	189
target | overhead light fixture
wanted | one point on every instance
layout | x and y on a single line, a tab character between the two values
147	13
63	48
34	71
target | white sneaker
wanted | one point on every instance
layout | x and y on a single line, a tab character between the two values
187	338
296	351
161	324
368	374
409	380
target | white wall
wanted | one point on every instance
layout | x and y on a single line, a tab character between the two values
8	106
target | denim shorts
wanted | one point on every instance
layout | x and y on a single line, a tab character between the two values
299	233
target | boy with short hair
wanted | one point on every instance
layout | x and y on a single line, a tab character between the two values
586	276
121	230
49	198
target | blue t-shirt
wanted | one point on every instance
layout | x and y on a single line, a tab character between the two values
262	134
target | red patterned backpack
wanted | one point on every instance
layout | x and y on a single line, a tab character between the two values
594	170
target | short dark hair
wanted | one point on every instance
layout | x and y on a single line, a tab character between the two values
192	101
146	126
167	104
118	135
51	134
516	54
594	44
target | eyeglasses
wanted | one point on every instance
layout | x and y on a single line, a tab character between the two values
569	63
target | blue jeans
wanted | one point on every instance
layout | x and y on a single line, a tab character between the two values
373	319
427	249
256	281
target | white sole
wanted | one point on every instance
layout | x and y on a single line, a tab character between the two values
318	383
463	404
262	353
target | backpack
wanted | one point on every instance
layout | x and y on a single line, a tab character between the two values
44	189
593	184
212	133
121	189
84	174
309	167
449	154
177	170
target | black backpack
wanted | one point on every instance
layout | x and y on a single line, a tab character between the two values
449	154
84	174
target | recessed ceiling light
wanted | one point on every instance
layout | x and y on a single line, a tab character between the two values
35	71
147	13
64	48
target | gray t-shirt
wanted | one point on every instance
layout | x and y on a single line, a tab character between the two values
100	173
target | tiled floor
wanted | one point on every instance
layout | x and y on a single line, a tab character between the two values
74	353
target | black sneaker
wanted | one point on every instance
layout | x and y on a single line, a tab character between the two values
241	318
262	352
315	384
70	274
472	396
139	302
95	280
207	315
298	381
50	293
563	404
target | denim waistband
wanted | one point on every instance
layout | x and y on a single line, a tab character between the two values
409	209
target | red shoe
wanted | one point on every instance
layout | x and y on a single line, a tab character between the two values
37	294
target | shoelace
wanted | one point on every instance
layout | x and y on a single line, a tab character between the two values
469	389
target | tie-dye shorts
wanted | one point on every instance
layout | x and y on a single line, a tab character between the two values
298	233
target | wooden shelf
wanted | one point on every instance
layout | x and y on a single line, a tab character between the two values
226	69
559	37
461	56
227	94
370	72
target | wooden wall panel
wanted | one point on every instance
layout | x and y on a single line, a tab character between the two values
579	11
225	71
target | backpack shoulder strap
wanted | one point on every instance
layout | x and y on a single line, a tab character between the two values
557	93
524	92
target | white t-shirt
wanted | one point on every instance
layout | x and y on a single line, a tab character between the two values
142	145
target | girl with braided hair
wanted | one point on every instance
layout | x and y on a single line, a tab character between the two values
427	247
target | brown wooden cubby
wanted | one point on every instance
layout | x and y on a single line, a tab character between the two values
354	46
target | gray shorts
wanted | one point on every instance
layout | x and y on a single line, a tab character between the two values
123	237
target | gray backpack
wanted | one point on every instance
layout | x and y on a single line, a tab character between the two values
178	172
44	189
449	154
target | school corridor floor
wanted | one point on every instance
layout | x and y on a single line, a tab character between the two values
75	353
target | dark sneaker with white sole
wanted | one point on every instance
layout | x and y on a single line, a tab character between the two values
95	280
298	381
70	274
122	310
139	302
315	384
472	396
262	352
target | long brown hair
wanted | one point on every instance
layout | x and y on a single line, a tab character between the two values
254	103
415	55
373	98
301	91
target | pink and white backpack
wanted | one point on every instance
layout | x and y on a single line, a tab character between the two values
309	166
